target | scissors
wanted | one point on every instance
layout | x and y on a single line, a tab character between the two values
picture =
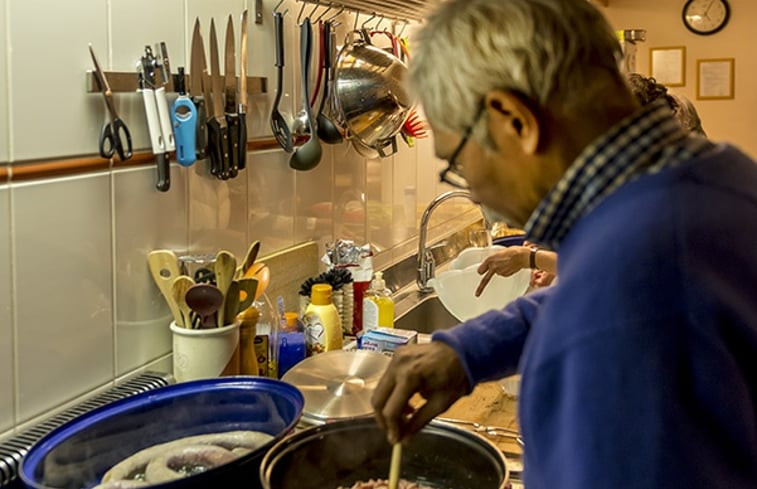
115	135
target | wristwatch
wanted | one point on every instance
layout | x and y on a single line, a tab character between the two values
532	258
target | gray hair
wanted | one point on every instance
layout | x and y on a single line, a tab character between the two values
547	51
687	114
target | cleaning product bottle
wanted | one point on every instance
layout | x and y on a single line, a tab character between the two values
378	305
323	327
291	343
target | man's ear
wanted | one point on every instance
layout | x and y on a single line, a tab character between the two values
512	121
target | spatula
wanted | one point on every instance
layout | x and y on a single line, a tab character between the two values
249	258
225	267
179	288
247	289
164	267
231	302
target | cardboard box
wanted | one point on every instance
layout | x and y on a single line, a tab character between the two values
386	340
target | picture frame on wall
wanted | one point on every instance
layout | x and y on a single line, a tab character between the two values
667	65
715	78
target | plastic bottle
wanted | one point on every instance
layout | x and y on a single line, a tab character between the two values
378	305
291	343
323	327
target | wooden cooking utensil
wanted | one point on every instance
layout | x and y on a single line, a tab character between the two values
231	302
164	267
247	289
264	276
394	466
179	288
249	258
225	267
205	300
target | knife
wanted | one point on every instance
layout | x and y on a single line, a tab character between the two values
218	136
198	68
230	92
242	98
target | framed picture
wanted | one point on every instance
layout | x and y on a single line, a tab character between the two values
668	65
715	78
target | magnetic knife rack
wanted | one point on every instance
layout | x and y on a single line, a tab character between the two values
128	82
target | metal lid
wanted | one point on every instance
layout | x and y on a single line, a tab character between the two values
337	384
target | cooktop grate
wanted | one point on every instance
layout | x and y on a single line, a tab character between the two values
13	449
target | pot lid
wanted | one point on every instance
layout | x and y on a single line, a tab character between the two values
337	384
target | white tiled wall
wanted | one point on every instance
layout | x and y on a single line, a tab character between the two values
78	308
62	243
6	325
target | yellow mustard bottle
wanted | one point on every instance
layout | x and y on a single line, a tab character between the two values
378	305
323	327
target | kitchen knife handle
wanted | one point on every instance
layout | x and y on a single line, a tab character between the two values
242	129
201	136
184	118
232	163
165	119
218	146
153	125
164	173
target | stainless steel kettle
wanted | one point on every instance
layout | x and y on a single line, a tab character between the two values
370	94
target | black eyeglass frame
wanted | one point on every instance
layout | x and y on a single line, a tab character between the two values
451	175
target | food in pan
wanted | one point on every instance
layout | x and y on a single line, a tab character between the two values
181	458
384	484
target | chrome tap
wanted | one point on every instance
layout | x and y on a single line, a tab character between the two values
426	263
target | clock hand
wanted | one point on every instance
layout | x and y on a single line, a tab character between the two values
707	10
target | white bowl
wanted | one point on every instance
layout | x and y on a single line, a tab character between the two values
456	290
471	256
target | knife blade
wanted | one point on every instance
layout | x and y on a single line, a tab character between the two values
198	68
230	91
218	138
242	97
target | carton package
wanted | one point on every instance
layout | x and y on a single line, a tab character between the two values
386	340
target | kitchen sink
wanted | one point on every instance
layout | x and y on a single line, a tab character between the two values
425	315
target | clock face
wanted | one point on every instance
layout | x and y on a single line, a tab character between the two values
706	16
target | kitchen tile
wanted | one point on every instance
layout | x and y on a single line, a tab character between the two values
6	315
37	33
4	120
217	211
130	31
428	167
314	201
155	220
64	333
271	201
405	193
378	194
349	195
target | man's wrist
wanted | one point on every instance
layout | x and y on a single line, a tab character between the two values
532	258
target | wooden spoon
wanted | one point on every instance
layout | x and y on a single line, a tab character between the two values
249	258
264	276
225	267
205	300
179	288
394	466
164	267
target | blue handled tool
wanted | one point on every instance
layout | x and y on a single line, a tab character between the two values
184	120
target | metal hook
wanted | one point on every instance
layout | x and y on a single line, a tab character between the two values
302	9
333	17
331	7
357	17
312	12
373	16
378	24
403	28
276	8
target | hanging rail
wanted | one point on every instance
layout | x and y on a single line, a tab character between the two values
401	10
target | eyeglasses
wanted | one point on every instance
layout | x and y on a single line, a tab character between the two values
452	175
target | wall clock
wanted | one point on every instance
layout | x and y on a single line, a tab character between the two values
706	17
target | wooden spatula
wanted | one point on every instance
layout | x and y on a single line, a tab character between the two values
225	267
179	289
394	466
164	267
249	258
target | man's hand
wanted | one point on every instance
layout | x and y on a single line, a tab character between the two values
433	371
502	262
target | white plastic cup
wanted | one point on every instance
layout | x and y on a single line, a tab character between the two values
205	353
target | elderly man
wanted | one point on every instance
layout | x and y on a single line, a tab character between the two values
639	368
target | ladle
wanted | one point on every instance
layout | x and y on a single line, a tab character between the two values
205	300
278	124
327	130
307	156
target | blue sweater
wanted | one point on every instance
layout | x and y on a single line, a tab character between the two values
640	366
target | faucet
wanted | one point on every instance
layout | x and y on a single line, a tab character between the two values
426	263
